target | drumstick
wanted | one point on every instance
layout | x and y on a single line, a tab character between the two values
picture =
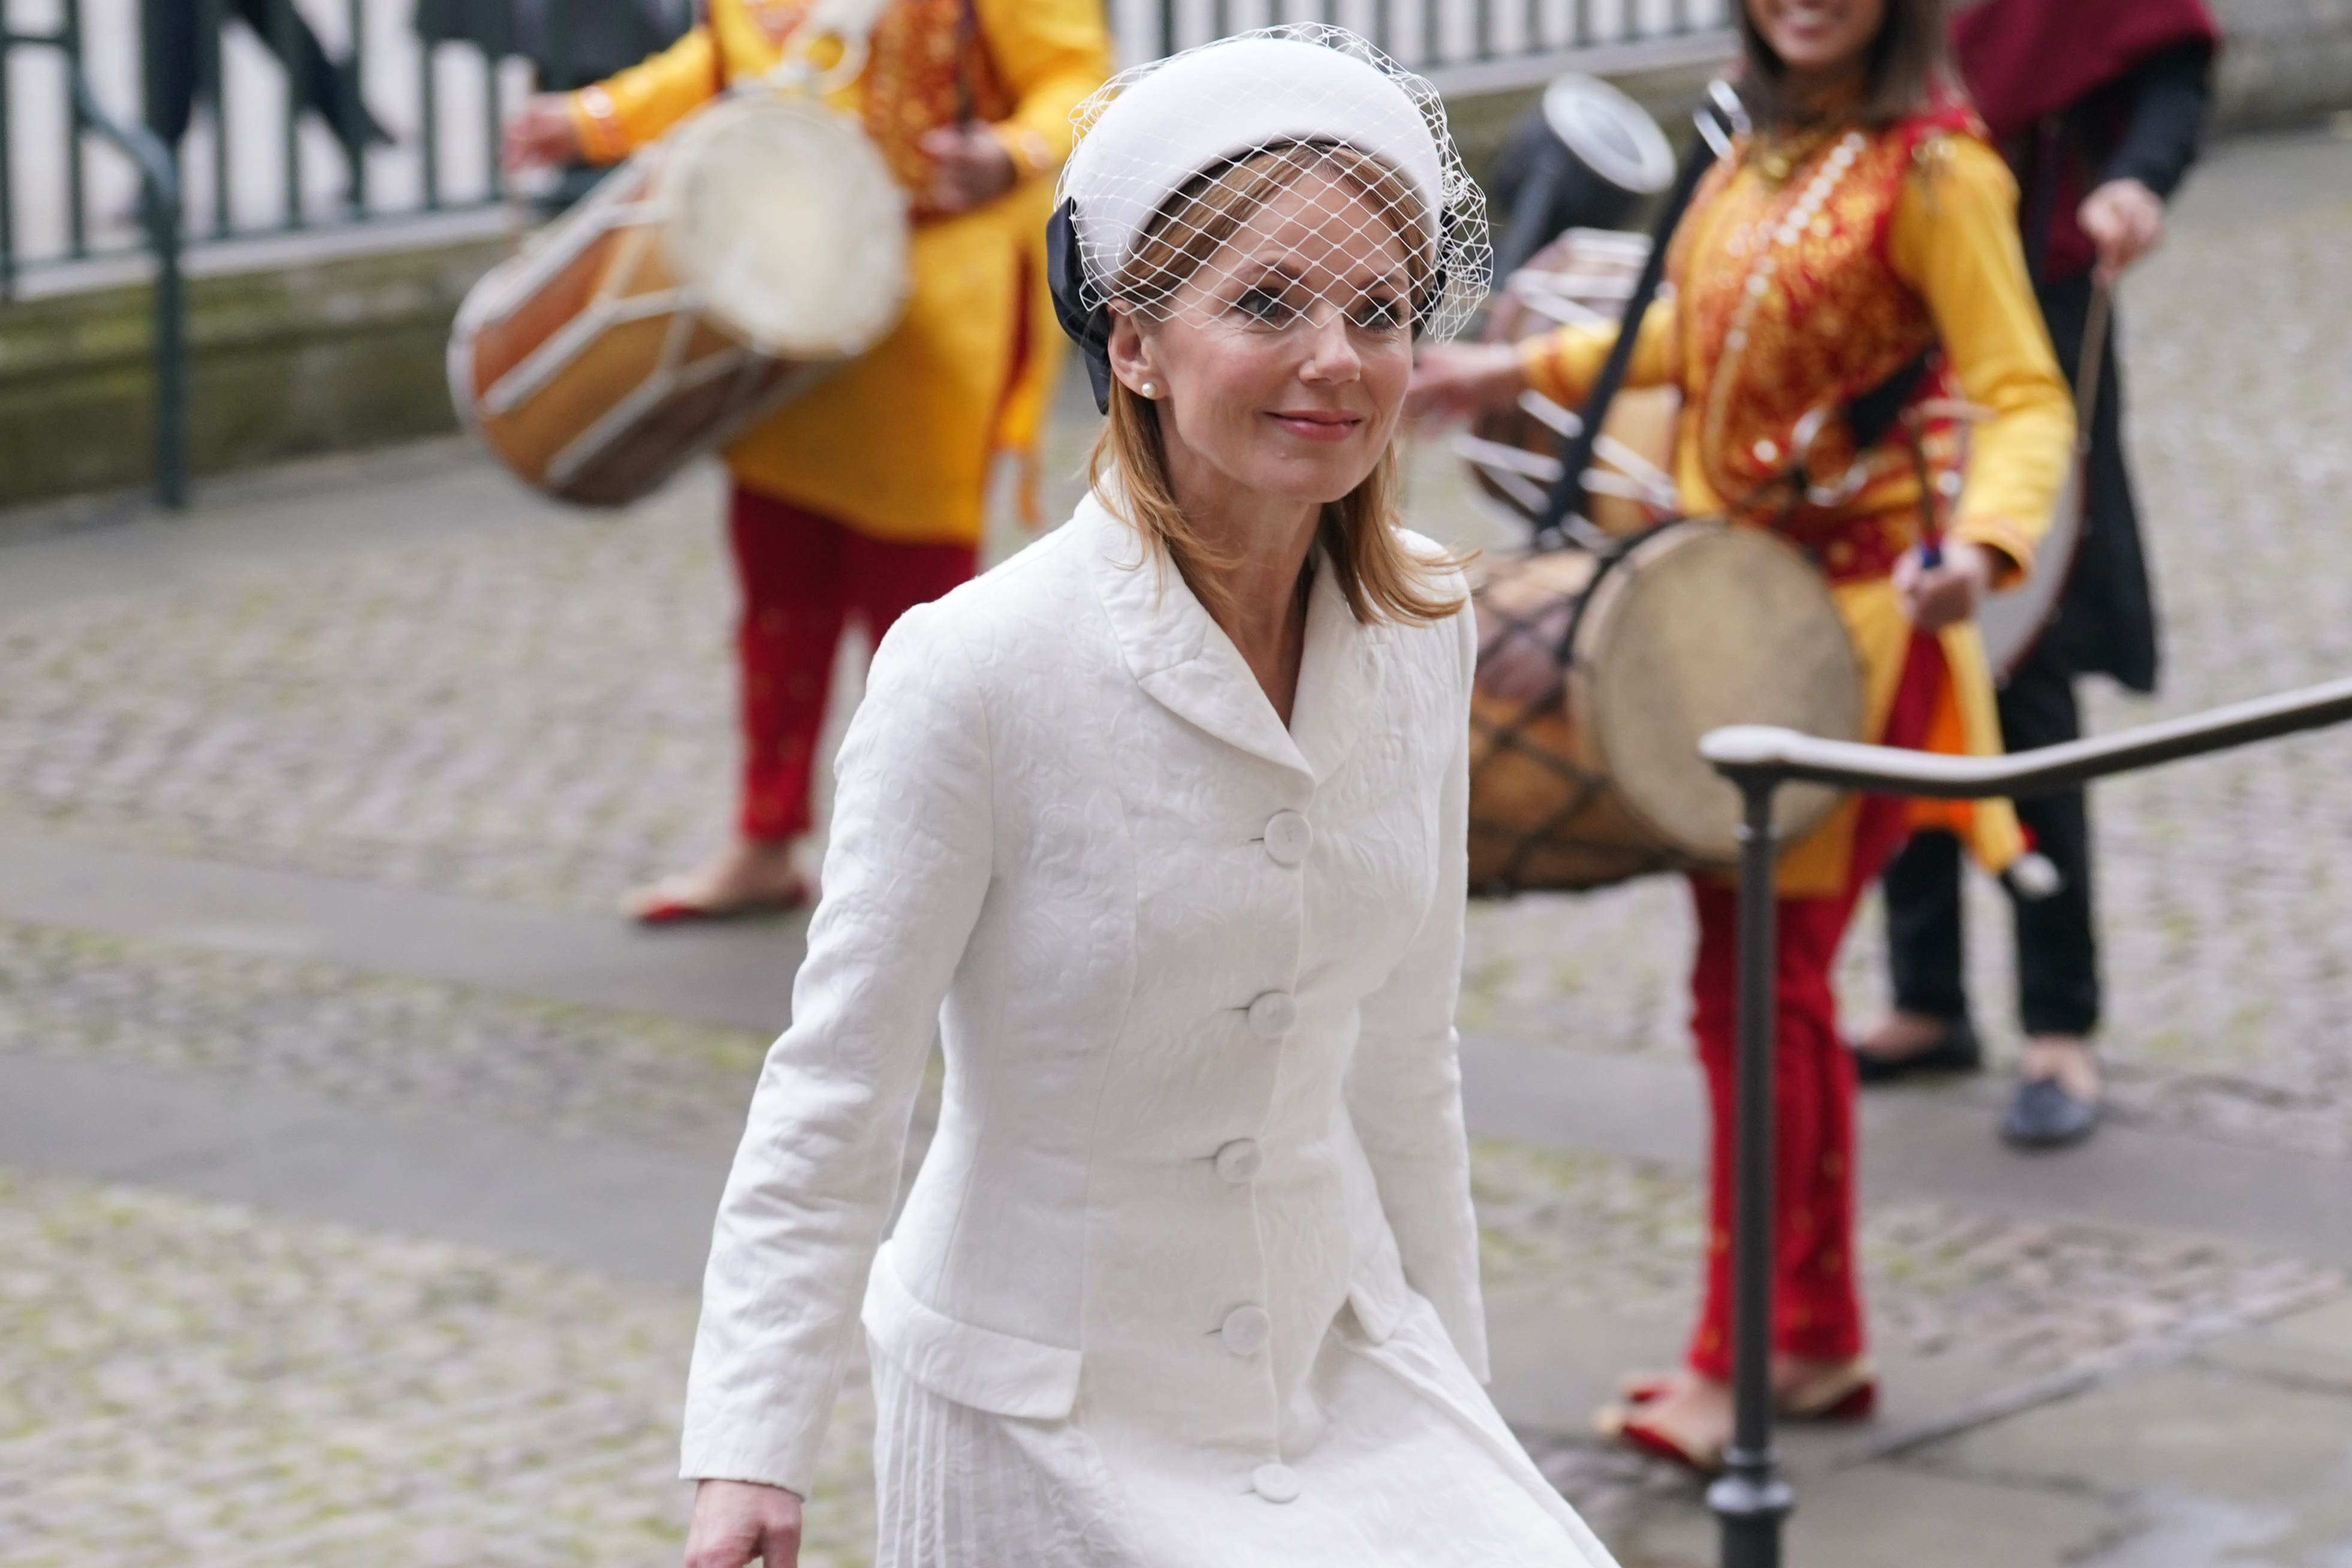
2093	366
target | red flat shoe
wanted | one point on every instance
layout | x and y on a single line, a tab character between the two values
660	910
1642	1387
1849	1393
1626	1426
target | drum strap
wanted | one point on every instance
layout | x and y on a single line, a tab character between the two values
1566	500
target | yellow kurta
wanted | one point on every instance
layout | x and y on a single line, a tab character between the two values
1917	242
897	443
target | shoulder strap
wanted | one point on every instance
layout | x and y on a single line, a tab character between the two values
1719	118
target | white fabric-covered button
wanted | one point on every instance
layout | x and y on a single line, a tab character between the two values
1288	837
1240	1160
1272	1015
1246	1329
1276	1483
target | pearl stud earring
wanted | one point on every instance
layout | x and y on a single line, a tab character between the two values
1150	389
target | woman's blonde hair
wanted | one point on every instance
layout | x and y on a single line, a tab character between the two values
1379	575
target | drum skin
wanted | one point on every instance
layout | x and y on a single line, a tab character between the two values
592	367
1587	774
1597	270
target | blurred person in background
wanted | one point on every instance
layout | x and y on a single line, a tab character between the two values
176	53
568	43
865	496
2097	106
1860	246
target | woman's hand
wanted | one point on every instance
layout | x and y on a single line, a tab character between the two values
2126	220
542	134
737	1523
1936	596
970	167
1456	380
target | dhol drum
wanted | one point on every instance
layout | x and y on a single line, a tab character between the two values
1596	678
1583	278
717	273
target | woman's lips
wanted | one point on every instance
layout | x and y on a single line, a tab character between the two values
1313	426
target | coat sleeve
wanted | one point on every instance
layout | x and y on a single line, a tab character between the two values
1052	54
1953	239
1404	1089
1564	363
818	1169
2171	97
622	113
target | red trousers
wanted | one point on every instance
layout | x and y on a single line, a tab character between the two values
1816	1305
802	575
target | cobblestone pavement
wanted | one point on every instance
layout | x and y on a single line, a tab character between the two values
372	1040
200	1380
2028	1298
537	713
190	1382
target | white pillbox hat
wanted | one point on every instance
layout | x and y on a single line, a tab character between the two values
1222	101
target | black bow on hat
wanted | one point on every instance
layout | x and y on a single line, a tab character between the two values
1089	329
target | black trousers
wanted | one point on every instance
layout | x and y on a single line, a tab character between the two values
2057	949
174	66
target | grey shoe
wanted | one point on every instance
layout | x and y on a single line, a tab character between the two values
2044	1116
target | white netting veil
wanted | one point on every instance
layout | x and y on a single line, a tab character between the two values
1279	175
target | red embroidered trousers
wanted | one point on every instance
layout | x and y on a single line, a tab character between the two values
802	575
1816	1305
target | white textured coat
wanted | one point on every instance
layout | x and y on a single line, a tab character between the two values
1194	975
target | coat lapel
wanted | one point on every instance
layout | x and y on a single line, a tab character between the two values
1180	656
1338	680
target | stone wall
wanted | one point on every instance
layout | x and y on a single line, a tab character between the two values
320	356
2286	62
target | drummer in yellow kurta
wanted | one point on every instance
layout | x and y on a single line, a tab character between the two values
1865	238
864	496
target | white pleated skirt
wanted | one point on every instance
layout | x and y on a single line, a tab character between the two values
1412	1469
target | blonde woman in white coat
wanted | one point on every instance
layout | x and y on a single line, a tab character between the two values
1159	827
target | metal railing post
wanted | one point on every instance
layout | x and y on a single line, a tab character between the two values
159	190
7	162
1750	1499
162	204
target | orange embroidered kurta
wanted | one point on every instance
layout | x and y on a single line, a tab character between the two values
1808	272
897	444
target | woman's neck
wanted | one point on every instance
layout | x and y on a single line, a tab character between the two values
1816	95
1267	540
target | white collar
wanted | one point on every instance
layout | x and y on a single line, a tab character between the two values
1179	654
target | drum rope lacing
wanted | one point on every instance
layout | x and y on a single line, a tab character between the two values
1512	734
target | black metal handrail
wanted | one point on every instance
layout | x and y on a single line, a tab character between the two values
1752	1499
158	213
159	206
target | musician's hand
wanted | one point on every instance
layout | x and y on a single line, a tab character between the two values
1936	596
970	167
737	1523
1453	380
2126	220
542	134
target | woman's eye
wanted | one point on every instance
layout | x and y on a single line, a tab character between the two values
1267	305
1380	315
